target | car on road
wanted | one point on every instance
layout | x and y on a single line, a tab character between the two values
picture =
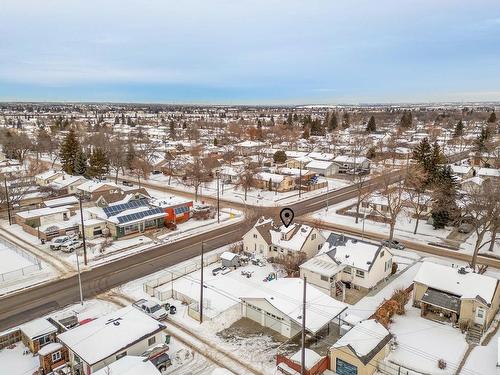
127	183
393	244
151	308
465	228
71	245
57	242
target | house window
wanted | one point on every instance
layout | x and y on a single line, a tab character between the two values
254	236
56	357
275	248
121	355
382	254
44	340
152	341
313	236
360	274
347	270
324	278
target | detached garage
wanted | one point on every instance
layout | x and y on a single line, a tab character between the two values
360	349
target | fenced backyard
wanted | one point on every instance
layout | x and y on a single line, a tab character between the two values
30	265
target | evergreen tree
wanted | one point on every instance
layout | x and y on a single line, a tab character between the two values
444	199
372	126
172	132
422	153
406	119
317	128
80	167
459	129
130	154
98	163
216	142
345	120
492	118
333	121
481	140
67	153
279	157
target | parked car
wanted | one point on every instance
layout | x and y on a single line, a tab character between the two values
393	244
151	308
71	245
465	228
57	242
127	183
217	270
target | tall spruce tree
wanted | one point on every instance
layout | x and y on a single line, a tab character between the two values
80	167
444	198
406	119
98	163
372	126
333	121
346	121
459	129
67	153
492	118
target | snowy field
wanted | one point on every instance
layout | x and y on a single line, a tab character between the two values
11	260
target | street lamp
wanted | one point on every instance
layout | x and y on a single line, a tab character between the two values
83	231
217	174
327	186
79	277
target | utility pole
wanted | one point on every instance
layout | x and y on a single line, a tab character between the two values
303	347
7	199
217	173
327	185
201	286
83	232
79	277
300	179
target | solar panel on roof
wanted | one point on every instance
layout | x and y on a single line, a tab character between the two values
140	215
117	208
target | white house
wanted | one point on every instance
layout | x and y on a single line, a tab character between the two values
345	261
45	178
323	168
268	240
101	342
279	306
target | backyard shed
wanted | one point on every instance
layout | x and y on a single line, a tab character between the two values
229	259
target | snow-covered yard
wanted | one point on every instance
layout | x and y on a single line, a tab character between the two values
422	342
483	359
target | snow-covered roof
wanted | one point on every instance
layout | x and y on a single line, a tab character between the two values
285	295
38	327
129	365
491	172
319	164
322	264
109	334
460	169
265	176
66	180
43	212
467	285
250	144
50	348
353	253
70	200
48	174
91	186
350	159
321	156
170	201
364	339
311	358
227	255
296	241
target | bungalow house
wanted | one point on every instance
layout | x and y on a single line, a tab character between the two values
278	306
464	297
47	222
45	178
360	350
321	156
229	175
462	171
38	333
97	344
247	148
61	202
124	219
347	262
67	184
268	240
352	164
274	182
323	168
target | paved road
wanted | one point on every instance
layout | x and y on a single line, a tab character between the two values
39	300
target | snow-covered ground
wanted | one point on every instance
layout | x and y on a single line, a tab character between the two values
258	197
404	227
422	342
12	260
483	359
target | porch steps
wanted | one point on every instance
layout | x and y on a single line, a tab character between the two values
474	334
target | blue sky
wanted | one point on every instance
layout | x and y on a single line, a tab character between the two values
250	51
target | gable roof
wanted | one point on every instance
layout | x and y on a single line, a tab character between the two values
365	340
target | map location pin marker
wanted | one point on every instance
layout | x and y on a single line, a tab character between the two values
286	216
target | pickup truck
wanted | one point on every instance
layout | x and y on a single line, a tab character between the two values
151	308
71	245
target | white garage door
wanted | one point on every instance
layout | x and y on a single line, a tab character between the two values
253	314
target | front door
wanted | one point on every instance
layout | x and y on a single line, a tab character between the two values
480	315
344	368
